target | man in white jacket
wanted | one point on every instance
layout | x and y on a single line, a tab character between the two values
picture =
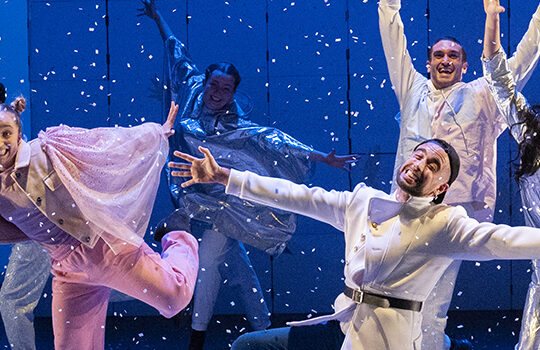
462	113
397	245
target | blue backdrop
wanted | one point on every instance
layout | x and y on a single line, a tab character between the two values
314	69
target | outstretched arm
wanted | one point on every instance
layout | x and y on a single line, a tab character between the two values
503	88
471	240
497	72
400	68
315	202
523	62
151	11
492	33
333	160
181	75
201	170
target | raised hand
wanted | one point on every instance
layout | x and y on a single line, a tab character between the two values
340	162
492	32
169	123
149	9
200	170
493	7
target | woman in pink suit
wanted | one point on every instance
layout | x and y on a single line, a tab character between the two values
86	197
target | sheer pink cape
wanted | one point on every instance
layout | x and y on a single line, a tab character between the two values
111	173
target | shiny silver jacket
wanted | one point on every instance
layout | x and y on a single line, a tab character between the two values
237	143
511	102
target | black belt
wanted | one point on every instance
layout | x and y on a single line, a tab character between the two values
382	301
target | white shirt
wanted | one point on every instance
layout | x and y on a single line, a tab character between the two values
464	114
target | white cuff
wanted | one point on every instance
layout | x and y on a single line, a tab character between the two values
234	185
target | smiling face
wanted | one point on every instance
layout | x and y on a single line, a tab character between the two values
426	172
446	65
10	137
219	90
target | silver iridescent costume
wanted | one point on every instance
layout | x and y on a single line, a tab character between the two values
236	143
511	103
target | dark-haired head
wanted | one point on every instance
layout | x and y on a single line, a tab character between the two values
529	147
430	170
224	67
452	39
220	83
10	131
455	163
447	62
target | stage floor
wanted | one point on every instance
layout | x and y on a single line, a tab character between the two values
486	330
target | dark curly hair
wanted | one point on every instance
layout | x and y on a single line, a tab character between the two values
527	161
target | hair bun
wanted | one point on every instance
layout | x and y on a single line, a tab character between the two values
19	105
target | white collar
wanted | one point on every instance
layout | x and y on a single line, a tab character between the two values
382	209
446	90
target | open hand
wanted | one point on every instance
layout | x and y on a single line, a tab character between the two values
149	9
340	162
201	170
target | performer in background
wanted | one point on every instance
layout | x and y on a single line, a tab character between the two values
524	122
211	116
465	115
86	195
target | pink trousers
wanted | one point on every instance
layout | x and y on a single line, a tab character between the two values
82	284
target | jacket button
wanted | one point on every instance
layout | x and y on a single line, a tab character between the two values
17	175
87	239
38	200
374	224
355	249
61	221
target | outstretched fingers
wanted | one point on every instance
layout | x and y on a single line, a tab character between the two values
353	158
142	11
181	173
149	9
185	169
176	165
172	112
185	156
206	152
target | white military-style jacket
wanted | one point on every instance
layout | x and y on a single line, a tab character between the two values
391	248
